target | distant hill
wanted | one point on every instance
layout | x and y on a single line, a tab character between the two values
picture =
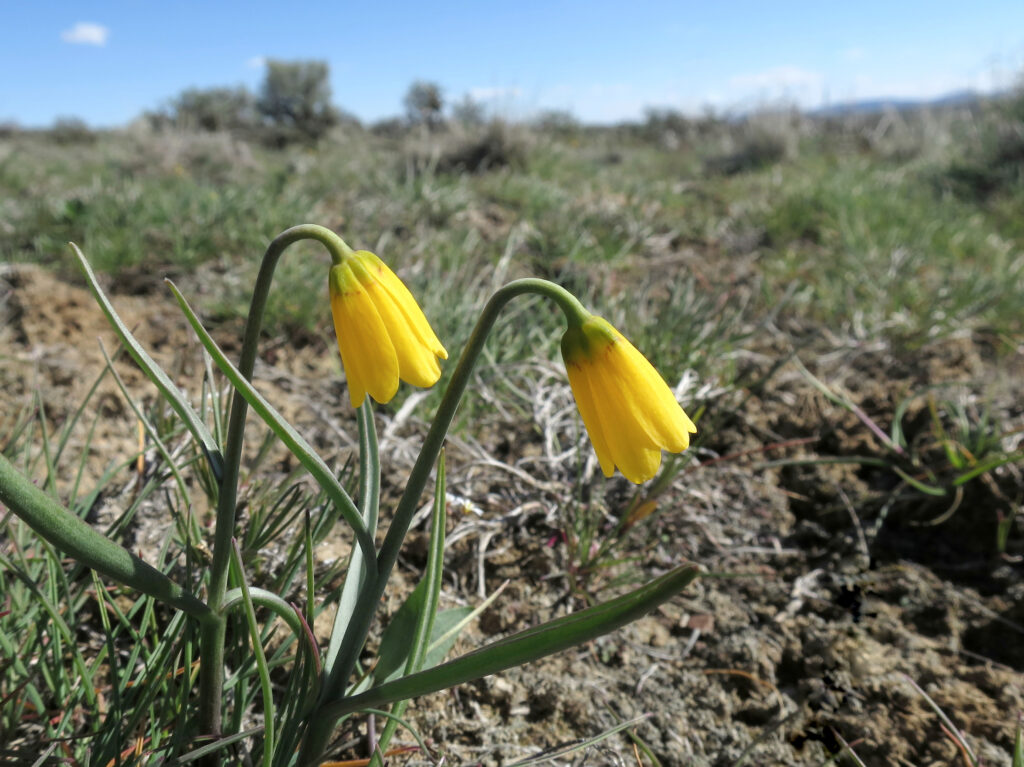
873	106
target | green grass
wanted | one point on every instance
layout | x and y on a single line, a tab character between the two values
856	239
880	246
686	264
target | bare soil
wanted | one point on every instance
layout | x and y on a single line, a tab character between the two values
823	597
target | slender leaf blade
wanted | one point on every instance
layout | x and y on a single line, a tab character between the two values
155	373
524	647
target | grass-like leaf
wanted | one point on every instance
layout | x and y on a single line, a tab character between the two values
73	536
294	441
154	372
525	646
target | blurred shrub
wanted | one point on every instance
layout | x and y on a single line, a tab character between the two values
666	127
558	122
71	130
295	102
468	112
214	109
293	106
994	159
424	104
496	146
390	127
756	142
754	151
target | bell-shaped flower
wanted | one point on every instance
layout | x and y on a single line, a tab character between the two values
382	333
628	409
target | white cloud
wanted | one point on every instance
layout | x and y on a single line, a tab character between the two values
86	33
256	62
484	93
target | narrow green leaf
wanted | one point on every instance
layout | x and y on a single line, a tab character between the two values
395	646
426	606
151	431
369	505
268	599
61	629
294	441
432	577
80	541
917	484
261	658
470	614
217	745
445	633
524	647
993	462
572	748
155	373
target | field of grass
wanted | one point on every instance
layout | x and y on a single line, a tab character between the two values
839	301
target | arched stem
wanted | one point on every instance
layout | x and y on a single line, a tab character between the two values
321	724
211	678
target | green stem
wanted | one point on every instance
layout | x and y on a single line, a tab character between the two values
270	600
360	565
321	723
211	677
424	630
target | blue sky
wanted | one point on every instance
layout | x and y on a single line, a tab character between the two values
108	61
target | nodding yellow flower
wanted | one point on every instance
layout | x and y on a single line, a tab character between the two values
382	333
628	409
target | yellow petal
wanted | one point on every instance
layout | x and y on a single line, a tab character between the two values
653	403
417	364
582	393
628	408
367	353
636	454
403	299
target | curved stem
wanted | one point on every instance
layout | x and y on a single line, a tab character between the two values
211	677
320	723
234	597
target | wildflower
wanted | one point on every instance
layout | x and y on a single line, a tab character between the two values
628	409
382	333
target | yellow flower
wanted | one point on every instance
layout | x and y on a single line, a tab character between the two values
382	333
628	409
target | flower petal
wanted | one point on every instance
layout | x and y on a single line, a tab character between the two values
628	408
416	363
367	353
657	411
636	454
404	300
579	381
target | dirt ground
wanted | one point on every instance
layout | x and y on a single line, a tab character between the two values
822	605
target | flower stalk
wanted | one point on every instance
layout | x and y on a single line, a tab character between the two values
321	723
212	637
